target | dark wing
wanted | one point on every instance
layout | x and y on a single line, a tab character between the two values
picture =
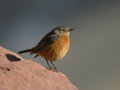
47	40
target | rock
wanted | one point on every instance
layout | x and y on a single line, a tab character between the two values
19	74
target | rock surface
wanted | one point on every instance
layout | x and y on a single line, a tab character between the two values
19	74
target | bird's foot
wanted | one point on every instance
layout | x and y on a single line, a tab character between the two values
53	69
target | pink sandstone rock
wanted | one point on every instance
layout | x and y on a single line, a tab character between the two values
19	74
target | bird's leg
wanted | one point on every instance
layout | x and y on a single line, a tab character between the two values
49	67
55	69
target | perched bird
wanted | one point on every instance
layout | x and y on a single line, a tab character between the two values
53	46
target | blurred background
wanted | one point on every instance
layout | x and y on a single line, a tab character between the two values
93	60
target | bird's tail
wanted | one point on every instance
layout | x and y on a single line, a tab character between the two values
25	51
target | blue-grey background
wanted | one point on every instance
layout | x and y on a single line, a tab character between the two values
93	61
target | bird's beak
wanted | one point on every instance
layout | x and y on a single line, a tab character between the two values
71	29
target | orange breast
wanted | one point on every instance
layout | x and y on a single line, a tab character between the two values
57	50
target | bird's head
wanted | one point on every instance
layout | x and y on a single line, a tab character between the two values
62	30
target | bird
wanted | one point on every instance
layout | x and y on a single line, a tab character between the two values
53	46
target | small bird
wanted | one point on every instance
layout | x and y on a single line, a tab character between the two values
53	46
